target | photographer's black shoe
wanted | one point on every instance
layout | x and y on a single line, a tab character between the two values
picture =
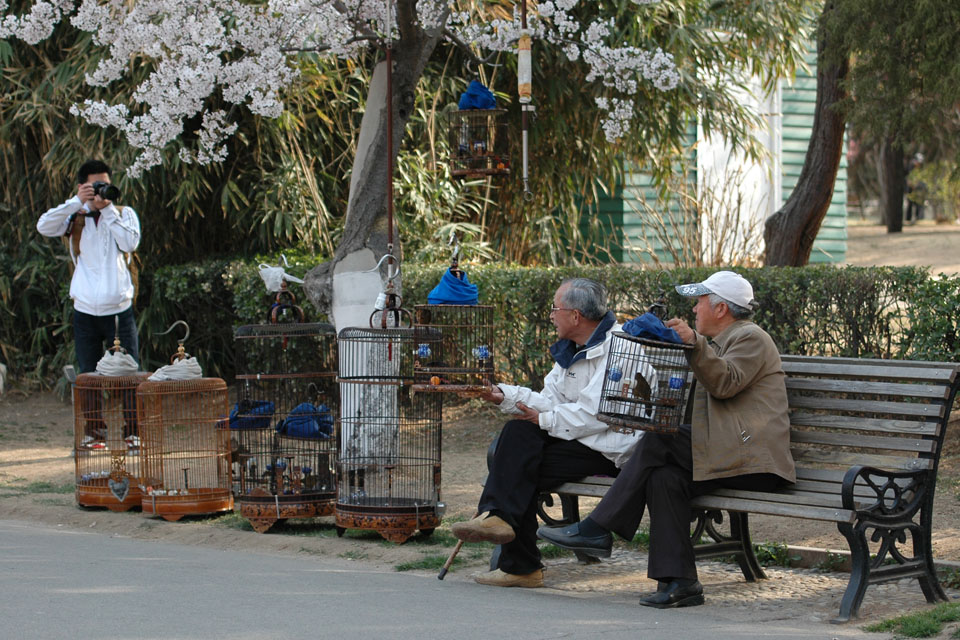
569	537
675	595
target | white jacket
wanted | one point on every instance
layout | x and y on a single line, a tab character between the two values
569	403
101	284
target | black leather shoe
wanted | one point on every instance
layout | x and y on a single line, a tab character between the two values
569	537
675	595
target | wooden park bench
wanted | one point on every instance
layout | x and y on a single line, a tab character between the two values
866	437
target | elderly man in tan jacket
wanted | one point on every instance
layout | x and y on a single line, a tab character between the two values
739	438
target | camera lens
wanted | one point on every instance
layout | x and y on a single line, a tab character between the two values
106	190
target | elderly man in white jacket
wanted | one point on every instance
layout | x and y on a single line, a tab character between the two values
555	437
102	287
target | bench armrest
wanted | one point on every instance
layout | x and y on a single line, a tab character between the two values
897	495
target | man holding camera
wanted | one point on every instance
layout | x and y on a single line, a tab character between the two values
102	289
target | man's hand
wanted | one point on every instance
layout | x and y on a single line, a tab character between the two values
528	414
85	193
492	393
683	330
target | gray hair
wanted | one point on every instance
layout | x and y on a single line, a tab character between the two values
738	312
589	297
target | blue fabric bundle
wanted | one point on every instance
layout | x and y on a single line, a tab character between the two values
251	414
477	96
307	421
651	327
453	290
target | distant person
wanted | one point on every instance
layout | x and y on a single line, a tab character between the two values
916	191
102	288
555	436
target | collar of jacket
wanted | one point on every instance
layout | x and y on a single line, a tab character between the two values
565	352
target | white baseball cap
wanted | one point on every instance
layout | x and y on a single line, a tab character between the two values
728	285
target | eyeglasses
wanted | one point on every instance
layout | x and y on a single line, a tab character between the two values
552	309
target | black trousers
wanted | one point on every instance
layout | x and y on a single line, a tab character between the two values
525	462
659	476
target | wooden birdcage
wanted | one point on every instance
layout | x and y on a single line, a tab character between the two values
185	447
479	145
646	386
388	467
107	441
463	361
282	429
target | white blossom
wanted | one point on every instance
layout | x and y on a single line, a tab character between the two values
206	52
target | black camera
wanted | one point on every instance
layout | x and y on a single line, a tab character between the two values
106	190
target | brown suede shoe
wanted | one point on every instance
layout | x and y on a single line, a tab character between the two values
484	528
498	578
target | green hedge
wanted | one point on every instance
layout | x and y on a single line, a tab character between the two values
886	312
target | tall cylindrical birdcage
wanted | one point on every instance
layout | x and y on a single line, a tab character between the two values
185	447
479	145
107	440
388	467
282	428
647	385
464	360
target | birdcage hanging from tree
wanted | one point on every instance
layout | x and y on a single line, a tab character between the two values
646	386
462	360
388	467
282	428
107	440
185	442
479	145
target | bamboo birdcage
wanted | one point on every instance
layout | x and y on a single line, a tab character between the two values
107	441
185	447
282	435
388	466
463	360
479	146
646	385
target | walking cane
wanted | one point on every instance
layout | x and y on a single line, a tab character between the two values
453	555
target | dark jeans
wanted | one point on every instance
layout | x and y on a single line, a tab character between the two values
525	462
94	334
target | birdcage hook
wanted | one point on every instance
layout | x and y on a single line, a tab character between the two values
659	307
117	347
454	241
181	352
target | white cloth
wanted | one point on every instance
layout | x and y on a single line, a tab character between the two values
274	276
117	364
569	403
101	284
186	369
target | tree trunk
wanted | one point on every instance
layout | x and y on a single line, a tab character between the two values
365	230
892	182
790	232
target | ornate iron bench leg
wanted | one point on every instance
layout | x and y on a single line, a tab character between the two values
746	558
859	570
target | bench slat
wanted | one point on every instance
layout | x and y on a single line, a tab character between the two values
786	496
881	369
849	459
862	441
773	508
858	423
934	391
866	406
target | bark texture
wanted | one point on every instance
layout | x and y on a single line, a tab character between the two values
365	225
892	180
790	232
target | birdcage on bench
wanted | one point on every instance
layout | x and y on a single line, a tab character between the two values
388	466
479	145
282	429
646	386
185	447
107	441
462	361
